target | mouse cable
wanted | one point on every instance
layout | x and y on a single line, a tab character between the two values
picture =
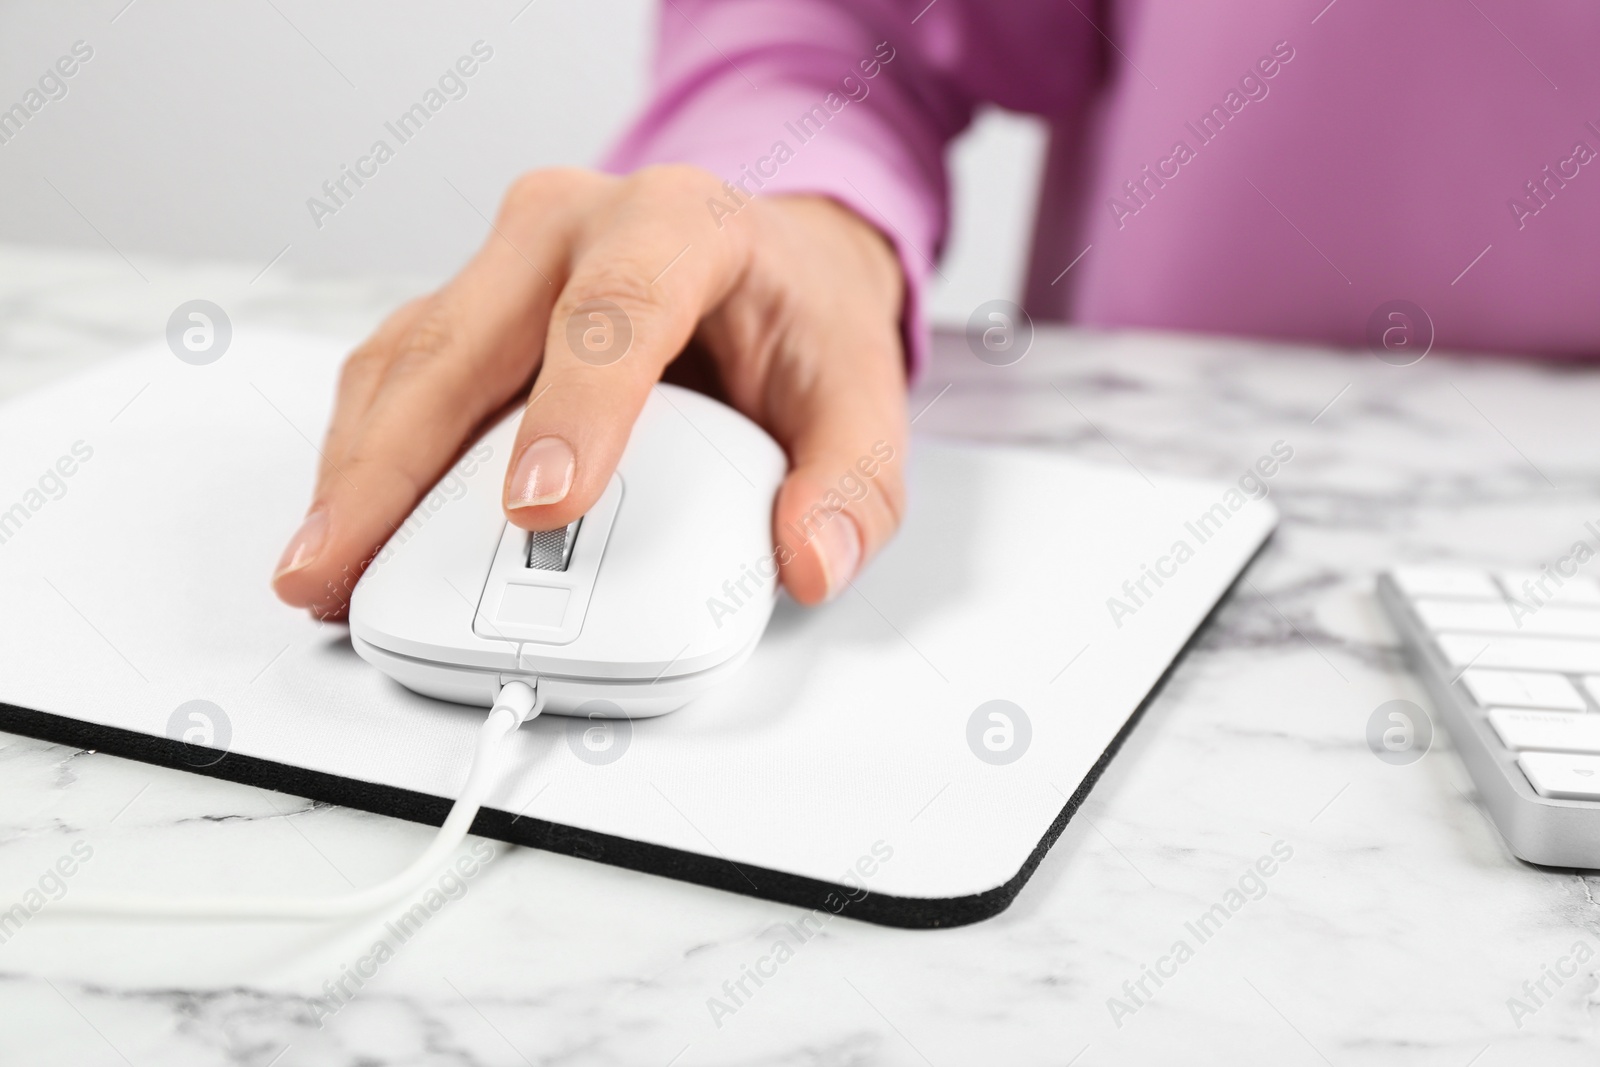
517	703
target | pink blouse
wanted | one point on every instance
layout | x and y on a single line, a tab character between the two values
1265	167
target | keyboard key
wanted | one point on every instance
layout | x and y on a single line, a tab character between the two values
1592	684
1482	616
1546	731
1445	582
1520	690
1579	590
1561	775
1521	653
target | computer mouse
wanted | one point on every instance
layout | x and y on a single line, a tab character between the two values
660	592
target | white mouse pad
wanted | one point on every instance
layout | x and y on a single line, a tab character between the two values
905	754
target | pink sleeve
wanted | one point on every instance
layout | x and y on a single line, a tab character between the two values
808	96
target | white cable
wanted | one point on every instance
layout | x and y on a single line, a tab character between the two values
516	704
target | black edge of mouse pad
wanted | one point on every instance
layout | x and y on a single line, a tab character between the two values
919	913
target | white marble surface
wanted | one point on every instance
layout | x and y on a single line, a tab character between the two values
1395	933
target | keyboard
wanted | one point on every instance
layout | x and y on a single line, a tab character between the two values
1512	662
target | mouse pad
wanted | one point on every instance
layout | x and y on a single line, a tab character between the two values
905	754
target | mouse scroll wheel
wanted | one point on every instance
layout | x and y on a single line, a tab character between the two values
551	550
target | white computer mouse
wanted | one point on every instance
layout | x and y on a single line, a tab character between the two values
657	594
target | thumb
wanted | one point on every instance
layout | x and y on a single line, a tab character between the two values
845	494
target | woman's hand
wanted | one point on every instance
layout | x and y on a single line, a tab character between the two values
788	309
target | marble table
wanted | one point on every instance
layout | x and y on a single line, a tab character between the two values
1396	930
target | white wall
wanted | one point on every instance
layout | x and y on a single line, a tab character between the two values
202	128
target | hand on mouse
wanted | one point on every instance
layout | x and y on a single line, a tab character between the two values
589	289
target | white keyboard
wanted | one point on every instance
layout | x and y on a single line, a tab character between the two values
1512	661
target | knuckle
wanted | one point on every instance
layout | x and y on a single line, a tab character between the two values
387	481
433	332
605	309
882	506
891	498
537	190
373	354
621	282
675	181
360	365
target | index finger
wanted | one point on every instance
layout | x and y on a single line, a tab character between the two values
641	279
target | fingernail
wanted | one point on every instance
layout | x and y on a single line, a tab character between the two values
839	550
543	473
304	545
